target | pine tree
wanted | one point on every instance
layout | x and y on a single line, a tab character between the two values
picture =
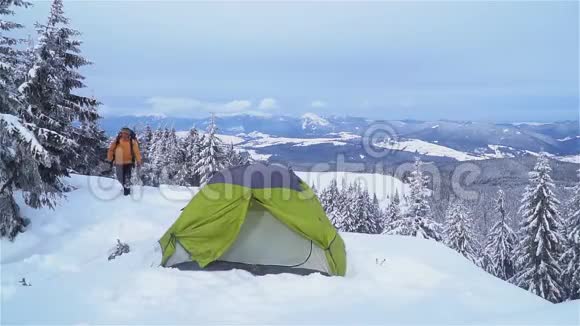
145	138
538	251
341	208
331	199
53	108
349	221
154	159
91	140
172	159
417	219
235	158
392	214
498	256
26	62
459	232
571	256
328	196
360	215
211	154
20	151
152	170
162	161
10	58
186	175
377	215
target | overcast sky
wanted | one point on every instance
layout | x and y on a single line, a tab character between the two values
485	60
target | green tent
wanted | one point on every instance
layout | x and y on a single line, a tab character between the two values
261	218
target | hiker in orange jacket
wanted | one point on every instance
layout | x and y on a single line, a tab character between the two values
124	153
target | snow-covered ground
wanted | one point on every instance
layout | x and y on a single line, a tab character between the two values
499	151
568	138
260	140
569	158
390	280
530	123
257	156
427	148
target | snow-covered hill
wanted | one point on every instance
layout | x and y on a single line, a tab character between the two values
263	146
260	140
430	149
390	280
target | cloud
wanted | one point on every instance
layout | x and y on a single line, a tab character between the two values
237	106
268	104
318	104
169	105
188	107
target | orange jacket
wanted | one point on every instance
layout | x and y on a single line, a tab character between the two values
122	152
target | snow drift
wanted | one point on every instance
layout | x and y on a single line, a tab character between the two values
389	280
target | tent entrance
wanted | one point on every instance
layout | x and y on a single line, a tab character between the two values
263	243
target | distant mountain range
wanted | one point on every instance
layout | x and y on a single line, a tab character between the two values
287	138
309	125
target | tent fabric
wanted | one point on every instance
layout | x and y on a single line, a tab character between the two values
212	222
259	270
264	240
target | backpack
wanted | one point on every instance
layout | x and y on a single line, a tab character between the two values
132	136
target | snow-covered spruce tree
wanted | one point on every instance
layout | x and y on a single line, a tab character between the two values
172	159
153	159
378	215
459	234
331	199
365	220
164	157
157	159
349	221
53	108
322	199
235	158
359	216
328	196
145	138
26	62
186	175
392	213
541	241
417	219
211	154
91	140
341	210
571	256
10	59
498	255
20	152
